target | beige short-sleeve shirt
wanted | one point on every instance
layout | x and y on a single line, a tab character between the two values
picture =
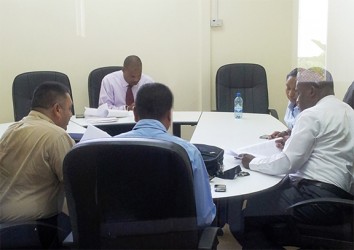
31	177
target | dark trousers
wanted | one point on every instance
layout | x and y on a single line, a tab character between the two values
48	233
269	208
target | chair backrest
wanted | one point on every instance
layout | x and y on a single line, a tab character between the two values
24	85
248	79
95	80
349	95
130	193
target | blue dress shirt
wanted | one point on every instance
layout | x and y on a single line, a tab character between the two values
149	128
290	115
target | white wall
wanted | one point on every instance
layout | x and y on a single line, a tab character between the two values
168	35
172	37
257	31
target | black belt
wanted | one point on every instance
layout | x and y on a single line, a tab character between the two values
326	186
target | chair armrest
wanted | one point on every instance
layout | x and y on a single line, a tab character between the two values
274	113
342	211
310	202
209	239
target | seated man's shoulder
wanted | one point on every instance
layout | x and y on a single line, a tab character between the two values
189	147
49	129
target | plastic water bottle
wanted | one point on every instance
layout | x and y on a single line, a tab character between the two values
238	106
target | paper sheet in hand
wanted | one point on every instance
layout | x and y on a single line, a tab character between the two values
94	133
263	149
104	111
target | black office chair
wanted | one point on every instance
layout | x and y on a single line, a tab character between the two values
335	232
24	85
349	96
132	194
94	83
248	79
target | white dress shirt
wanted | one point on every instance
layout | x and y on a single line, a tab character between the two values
114	88
321	146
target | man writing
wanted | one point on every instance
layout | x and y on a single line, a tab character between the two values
119	88
318	156
153	114
31	157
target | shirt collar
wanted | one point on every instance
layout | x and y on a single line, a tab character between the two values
37	114
150	123
291	105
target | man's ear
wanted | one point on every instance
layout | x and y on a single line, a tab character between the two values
136	116
167	119
54	113
313	91
56	109
169	115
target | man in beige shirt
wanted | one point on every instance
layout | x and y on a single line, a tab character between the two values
31	157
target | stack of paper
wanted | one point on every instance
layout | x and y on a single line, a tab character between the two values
104	111
100	120
263	149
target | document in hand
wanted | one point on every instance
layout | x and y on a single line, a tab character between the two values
263	149
104	111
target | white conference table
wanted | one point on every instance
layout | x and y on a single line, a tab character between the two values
223	130
78	125
3	127
179	118
220	129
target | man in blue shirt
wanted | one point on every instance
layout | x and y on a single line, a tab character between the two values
153	114
292	109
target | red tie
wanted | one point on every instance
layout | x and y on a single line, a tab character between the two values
129	98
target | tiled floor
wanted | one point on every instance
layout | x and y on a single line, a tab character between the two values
228	242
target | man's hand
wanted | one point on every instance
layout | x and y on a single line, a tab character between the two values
278	134
131	106
246	159
281	142
274	135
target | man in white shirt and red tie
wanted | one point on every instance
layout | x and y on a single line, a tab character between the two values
118	89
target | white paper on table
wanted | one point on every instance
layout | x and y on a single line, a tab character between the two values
101	111
93	132
104	111
263	149
100	120
117	113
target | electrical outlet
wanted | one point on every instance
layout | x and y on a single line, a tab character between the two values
216	23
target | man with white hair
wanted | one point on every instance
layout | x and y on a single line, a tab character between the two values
318	159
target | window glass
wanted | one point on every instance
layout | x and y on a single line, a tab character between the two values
312	33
